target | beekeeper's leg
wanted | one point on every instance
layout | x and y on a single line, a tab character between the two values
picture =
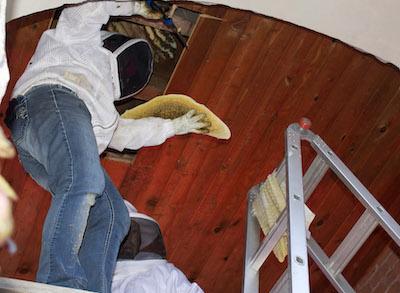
53	126
99	251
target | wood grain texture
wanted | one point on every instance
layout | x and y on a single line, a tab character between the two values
22	37
258	75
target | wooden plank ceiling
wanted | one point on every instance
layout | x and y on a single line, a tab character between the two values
259	75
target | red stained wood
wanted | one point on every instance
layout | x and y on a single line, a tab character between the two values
20	48
26	211
379	238
259	75
142	169
29	261
221	203
116	170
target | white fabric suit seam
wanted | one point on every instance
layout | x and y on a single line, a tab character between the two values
107	240
69	187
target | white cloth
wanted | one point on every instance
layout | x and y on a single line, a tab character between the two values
6	148
4	73
133	134
150	276
72	55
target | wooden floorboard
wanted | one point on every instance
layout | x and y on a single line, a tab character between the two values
29	261
26	212
259	75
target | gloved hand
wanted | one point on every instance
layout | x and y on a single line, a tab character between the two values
190	122
147	12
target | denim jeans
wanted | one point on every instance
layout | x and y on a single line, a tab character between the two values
87	219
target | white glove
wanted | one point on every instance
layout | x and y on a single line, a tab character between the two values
147	12
190	122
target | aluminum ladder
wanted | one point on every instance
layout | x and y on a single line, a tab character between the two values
296	277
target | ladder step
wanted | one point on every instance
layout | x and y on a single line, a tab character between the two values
360	232
270	241
358	189
321	259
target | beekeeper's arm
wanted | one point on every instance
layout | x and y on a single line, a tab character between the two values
84	21
136	133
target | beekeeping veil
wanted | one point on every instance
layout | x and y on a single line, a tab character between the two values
135	61
144	240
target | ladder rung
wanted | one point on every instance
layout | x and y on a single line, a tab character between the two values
282	285
342	255
358	189
321	259
352	243
270	241
314	175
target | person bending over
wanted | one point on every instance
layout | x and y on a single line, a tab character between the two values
62	116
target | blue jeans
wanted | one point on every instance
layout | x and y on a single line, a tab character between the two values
87	220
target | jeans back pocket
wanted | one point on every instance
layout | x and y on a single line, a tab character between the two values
17	120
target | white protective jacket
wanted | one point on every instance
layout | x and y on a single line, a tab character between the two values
72	55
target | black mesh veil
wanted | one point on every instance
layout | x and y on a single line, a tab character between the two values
135	61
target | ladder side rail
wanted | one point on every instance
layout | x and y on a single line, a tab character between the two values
250	282
311	179
321	259
358	189
357	236
297	243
